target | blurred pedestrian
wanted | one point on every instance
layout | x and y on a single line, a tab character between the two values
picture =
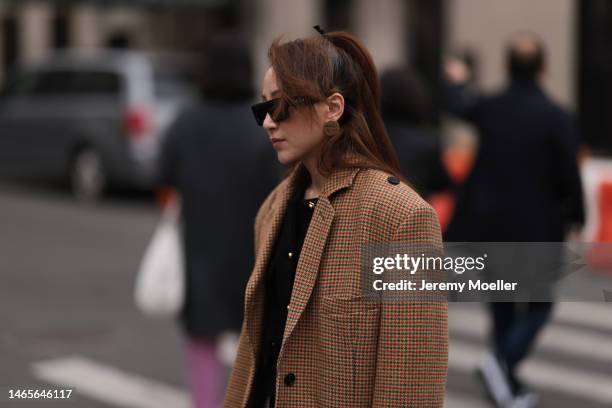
407	110
310	338
524	187
221	165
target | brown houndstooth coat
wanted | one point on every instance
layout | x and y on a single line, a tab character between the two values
338	350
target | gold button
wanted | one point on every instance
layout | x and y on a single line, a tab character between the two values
290	255
311	204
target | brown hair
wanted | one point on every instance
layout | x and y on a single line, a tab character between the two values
310	70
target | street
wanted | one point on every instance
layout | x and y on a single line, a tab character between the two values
67	274
66	291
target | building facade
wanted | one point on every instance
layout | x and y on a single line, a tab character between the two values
419	32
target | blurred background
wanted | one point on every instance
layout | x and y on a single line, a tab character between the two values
89	89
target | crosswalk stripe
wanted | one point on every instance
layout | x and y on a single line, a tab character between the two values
109	384
584	384
598	315
455	400
589	314
554	337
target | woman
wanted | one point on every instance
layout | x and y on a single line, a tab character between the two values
309	339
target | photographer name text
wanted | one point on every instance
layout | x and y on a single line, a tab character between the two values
424	285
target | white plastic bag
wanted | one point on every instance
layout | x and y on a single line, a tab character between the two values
227	347
160	283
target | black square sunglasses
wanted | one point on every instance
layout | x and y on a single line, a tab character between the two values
260	110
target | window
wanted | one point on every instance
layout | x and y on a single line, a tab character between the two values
170	84
425	36
67	82
64	82
95	82
338	15
61	28
9	35
22	85
595	73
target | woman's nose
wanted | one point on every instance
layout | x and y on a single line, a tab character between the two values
268	123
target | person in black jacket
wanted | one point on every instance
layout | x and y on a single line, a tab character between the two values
223	167
524	187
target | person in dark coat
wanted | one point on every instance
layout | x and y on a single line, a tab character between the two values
222	166
407	109
524	187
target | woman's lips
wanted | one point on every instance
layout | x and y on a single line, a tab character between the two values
276	143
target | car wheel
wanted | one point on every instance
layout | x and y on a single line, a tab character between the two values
88	178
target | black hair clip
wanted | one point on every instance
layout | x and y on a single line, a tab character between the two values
319	29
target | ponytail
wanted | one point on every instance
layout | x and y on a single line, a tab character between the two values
355	49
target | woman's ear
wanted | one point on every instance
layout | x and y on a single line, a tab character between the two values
335	102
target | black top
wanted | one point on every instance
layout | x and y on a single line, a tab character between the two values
278	283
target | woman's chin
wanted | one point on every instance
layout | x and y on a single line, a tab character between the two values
285	158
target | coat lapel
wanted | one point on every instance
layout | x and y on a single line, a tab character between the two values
313	247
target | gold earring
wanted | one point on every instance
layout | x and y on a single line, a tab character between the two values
331	128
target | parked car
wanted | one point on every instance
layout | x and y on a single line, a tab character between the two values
93	119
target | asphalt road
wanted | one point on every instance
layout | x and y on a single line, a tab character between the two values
66	281
67	274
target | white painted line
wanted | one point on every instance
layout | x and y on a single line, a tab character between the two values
597	315
576	342
456	400
109	384
580	383
591	314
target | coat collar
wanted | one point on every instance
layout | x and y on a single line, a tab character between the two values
339	179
